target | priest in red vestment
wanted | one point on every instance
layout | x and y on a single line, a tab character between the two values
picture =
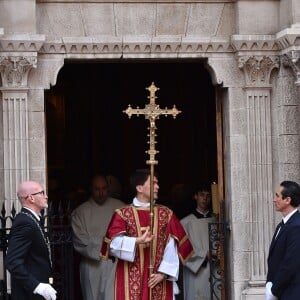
128	238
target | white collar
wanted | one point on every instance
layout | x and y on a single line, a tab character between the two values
202	213
286	218
136	202
33	212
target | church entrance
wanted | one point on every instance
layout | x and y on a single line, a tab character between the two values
88	133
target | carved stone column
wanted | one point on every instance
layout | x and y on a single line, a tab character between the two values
257	70
289	106
292	60
289	103
14	69
18	56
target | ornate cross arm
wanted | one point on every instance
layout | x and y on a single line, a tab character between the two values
152	112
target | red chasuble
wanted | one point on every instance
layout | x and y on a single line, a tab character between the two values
131	280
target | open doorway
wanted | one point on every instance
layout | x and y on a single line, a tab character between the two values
88	133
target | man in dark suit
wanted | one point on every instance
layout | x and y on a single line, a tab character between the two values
28	256
283	278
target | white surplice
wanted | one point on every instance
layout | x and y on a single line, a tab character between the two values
89	223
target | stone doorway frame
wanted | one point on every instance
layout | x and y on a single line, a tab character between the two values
219	228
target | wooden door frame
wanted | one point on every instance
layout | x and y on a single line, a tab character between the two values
221	190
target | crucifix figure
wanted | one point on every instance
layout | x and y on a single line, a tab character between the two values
152	112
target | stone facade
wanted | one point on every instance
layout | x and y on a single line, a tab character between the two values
252	48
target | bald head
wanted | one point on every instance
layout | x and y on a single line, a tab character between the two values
99	189
32	195
27	187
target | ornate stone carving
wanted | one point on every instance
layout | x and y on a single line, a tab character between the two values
145	46
149	46
257	69
291	60
14	70
265	43
289	38
21	42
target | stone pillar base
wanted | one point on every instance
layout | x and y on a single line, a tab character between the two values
255	291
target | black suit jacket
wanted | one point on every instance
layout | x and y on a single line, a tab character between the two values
27	257
284	260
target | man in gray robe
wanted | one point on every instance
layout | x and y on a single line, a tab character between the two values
89	224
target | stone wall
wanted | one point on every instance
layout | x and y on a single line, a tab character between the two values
252	52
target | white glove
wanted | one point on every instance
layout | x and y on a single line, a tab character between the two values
45	290
269	295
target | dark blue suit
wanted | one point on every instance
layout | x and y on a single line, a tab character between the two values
284	260
27	257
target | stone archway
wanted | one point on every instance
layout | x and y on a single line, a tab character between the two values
98	137
109	143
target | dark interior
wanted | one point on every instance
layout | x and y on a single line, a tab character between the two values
88	133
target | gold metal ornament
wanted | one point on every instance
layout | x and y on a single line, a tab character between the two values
152	112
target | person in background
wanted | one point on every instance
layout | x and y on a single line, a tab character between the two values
283	276
114	187
128	238
89	223
28	257
196	272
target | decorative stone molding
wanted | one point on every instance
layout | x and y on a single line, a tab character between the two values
14	70
21	42
261	43
289	43
257	69
18	55
140	46
291	60
165	44
289	39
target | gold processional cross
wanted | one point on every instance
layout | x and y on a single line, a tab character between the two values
152	112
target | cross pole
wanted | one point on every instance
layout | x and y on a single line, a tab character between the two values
152	112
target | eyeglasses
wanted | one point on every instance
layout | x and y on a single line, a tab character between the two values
41	192
38	193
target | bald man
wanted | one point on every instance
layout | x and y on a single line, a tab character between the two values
28	256
89	223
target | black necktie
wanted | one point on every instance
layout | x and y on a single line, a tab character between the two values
278	228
